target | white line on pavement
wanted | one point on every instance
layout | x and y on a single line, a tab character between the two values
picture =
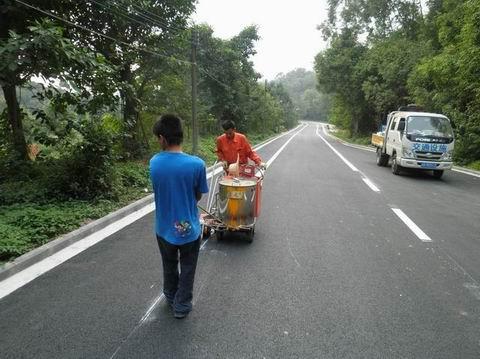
347	162
466	172
269	162
18	280
370	184
365	179
274	139
410	224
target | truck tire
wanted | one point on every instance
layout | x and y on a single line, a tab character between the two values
382	158
438	174
396	168
250	234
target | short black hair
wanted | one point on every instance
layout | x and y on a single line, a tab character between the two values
169	126
228	124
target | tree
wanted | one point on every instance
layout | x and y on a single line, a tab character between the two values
336	75
228	81
140	39
385	68
31	46
301	86
449	82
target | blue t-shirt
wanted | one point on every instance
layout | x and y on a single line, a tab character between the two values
176	177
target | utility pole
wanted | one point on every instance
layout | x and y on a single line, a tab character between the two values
194	93
265	117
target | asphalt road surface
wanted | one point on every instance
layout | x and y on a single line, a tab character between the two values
348	261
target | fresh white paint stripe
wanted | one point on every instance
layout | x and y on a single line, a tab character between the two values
18	280
370	184
410	224
152	307
360	147
273	158
466	172
275	138
347	162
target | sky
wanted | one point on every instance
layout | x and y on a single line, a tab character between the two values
289	38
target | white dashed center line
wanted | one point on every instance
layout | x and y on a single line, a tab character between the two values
410	224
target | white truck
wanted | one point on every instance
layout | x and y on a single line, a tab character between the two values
415	139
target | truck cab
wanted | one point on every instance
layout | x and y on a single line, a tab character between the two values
419	140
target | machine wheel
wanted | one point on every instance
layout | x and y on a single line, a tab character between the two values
382	158
438	173
250	235
396	168
206	232
220	235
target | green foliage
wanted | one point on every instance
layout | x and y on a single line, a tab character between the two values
24	227
133	174
385	69
348	137
449	82
474	165
337	74
34	212
304	102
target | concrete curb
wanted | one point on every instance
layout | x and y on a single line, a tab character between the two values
36	255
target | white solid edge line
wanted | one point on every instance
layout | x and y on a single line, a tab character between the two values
275	138
410	224
359	147
347	162
466	172
19	279
370	184
276	154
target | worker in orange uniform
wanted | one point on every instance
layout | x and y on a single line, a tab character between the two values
232	144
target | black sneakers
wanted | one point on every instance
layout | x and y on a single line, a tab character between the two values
180	315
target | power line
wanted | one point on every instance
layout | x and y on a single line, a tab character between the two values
157	17
171	58
118	11
227	86
125	12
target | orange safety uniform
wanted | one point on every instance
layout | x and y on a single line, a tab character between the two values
227	149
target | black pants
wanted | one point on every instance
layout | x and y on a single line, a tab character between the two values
178	287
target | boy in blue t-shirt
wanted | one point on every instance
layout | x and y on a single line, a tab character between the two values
178	183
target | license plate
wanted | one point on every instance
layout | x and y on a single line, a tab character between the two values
428	165
235	195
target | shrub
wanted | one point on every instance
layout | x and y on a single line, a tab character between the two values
133	174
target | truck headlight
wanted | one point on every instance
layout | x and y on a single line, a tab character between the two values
408	153
447	156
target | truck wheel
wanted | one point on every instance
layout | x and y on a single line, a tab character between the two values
382	158
438	173
220	235
250	235
395	166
